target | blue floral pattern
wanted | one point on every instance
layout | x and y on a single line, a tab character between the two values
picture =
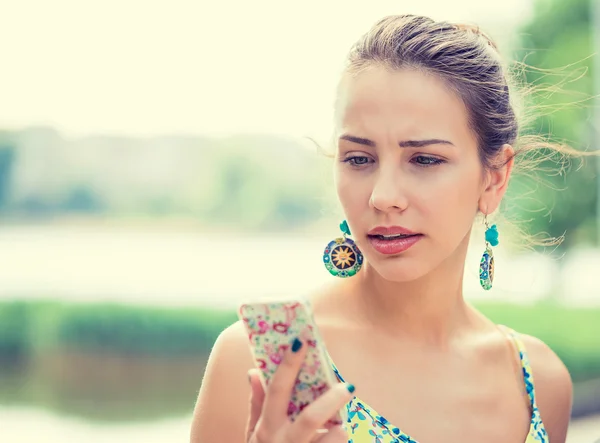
364	425
537	431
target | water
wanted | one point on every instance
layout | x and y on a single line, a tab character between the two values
103	387
22	425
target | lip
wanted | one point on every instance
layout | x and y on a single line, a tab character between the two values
390	230
393	247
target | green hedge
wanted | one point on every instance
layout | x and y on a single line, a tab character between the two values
15	328
135	330
27	328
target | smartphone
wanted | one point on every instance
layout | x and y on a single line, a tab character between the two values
271	326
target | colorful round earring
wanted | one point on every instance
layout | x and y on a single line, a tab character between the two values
486	265
341	257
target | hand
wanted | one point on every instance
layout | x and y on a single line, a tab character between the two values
268	421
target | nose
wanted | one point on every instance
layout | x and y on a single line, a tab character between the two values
388	194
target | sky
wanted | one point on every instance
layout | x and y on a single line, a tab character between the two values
144	68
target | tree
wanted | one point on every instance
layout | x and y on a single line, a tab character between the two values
557	44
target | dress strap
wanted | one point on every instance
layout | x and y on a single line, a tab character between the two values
524	359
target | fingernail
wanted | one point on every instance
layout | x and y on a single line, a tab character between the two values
296	345
350	388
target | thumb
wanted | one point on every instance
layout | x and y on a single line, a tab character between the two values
257	398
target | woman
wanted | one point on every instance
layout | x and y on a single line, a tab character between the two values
426	143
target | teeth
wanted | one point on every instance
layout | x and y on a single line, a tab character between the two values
390	237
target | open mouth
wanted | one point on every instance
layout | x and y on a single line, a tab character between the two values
393	237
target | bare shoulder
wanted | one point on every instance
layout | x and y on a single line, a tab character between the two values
222	407
553	387
330	303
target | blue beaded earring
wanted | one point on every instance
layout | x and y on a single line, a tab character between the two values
486	266
341	257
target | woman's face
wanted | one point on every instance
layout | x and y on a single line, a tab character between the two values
406	161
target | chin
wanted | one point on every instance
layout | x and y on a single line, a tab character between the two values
397	269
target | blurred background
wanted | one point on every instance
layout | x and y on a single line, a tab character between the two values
158	159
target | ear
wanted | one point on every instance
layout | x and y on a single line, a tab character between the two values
496	180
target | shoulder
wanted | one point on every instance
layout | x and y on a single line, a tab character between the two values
553	387
232	341
331	304
222	406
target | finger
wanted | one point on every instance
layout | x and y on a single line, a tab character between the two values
316	415
257	398
280	388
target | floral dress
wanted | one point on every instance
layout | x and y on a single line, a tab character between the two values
365	425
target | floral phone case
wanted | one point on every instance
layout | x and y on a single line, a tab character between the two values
271	326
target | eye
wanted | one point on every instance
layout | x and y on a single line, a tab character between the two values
357	160
424	160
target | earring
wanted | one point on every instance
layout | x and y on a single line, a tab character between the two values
486	266
341	257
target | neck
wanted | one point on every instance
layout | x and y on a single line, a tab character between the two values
430	310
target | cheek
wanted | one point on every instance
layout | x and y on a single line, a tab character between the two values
451	198
447	212
352	190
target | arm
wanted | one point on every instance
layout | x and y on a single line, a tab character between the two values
553	387
222	408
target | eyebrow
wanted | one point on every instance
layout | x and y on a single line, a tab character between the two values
402	143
